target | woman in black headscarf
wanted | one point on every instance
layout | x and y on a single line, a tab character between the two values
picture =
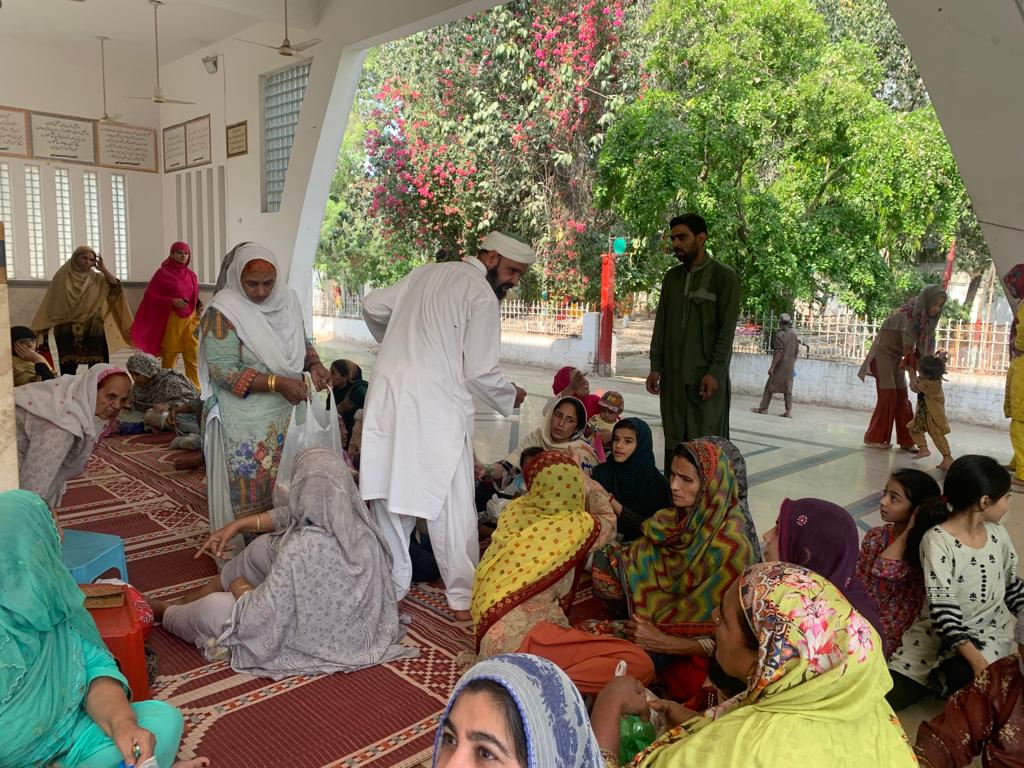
27	364
638	489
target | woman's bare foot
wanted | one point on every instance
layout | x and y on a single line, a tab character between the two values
195	762
193	460
946	463
159	606
787	415
923	453
759	410
882	446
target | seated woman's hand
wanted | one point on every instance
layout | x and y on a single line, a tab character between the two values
126	735
219	540
650	638
292	390
675	713
624	696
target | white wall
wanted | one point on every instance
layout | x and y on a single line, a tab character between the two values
522	348
970	398
66	80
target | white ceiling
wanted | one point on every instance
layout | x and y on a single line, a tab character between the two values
186	26
971	56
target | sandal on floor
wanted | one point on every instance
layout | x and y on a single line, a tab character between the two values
759	410
883	446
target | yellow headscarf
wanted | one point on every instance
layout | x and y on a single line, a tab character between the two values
816	696
76	296
540	537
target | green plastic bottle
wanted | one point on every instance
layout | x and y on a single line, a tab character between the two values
635	735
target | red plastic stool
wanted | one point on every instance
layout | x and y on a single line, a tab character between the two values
123	631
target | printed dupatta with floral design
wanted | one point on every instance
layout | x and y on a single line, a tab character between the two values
540	538
816	693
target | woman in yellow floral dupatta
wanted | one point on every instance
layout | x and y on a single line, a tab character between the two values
526	580
815	685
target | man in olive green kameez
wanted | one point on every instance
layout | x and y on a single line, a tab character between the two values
692	343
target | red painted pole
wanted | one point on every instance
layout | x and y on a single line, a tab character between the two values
948	272
604	344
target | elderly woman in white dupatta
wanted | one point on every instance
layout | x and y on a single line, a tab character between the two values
316	597
253	350
58	423
565	420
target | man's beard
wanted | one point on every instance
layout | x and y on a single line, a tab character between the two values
686	258
728	685
499	289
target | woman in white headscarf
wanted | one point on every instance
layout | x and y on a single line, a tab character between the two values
58	423
253	351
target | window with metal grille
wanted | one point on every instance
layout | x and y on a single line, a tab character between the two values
34	222
283	92
65	226
5	215
91	184
120	216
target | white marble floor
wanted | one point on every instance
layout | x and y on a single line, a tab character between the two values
817	453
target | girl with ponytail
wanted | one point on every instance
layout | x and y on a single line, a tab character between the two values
971	584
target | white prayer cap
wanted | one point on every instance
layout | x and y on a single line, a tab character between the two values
785	319
509	247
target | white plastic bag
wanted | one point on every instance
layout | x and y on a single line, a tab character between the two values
311	426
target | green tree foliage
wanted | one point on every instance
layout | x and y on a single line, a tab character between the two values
800	129
758	119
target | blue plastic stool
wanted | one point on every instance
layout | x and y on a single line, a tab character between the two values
87	555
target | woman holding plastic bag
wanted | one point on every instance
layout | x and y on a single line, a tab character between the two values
253	350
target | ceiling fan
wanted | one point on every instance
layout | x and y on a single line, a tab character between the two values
285	48
158	95
103	70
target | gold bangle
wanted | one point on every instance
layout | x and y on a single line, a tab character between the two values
259	524
272	382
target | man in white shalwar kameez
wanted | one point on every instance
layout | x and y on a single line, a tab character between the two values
440	331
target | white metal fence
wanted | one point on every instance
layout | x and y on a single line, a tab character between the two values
543	317
972	347
331	304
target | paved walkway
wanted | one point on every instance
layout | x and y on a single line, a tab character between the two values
817	453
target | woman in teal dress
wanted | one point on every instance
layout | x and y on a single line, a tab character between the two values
62	699
253	350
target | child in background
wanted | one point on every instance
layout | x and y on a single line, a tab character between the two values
931	410
896	587
602	424
986	718
971	585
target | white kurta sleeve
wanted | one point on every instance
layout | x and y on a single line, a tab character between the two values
480	356
377	308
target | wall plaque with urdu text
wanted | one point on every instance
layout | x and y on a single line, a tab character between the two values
197	142
63	138
237	137
174	148
13	132
126	146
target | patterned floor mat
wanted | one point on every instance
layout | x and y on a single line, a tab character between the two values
381	717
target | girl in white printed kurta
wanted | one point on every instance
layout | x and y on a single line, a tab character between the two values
971	585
